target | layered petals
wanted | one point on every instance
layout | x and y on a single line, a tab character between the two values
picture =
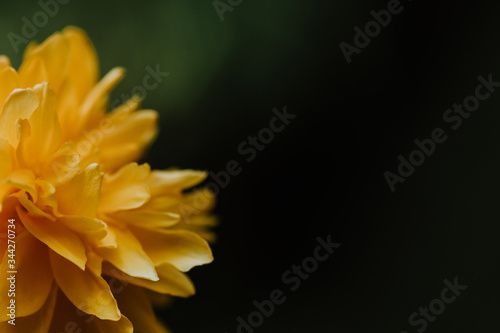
87	216
31	293
137	307
38	322
87	291
57	237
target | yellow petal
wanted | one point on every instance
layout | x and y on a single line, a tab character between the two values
45	132
139	126
88	292
82	75
30	48
81	195
53	56
23	179
125	197
201	225
46	189
8	211
194	203
109	241
68	318
38	322
56	236
137	307
62	166
10	81
6	156
183	249
19	105
131	172
172	281
33	209
83	63
113	157
121	326
93	107
4	191
33	278
138	129
33	72
125	189
122	111
4	61
94	263
84	225
147	219
128	256
174	181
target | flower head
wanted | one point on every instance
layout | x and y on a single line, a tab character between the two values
97	235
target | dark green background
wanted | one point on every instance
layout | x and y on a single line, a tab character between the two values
324	173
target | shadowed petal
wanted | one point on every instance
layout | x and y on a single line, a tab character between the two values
38	322
88	292
137	307
33	278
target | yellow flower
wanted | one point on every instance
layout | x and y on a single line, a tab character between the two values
97	235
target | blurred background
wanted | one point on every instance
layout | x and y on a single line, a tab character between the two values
323	174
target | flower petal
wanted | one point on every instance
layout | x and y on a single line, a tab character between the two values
121	326
63	165
45	132
137	307
147	219
33	279
33	209
81	195
174	181
23	179
10	81
6	156
38	322
82	76
56	236
183	249
85	225
69	319
128	256
136	131
131	172
52	54
88	292
4	61
125	189
8	211
93	107
19	105
126	196
171	281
